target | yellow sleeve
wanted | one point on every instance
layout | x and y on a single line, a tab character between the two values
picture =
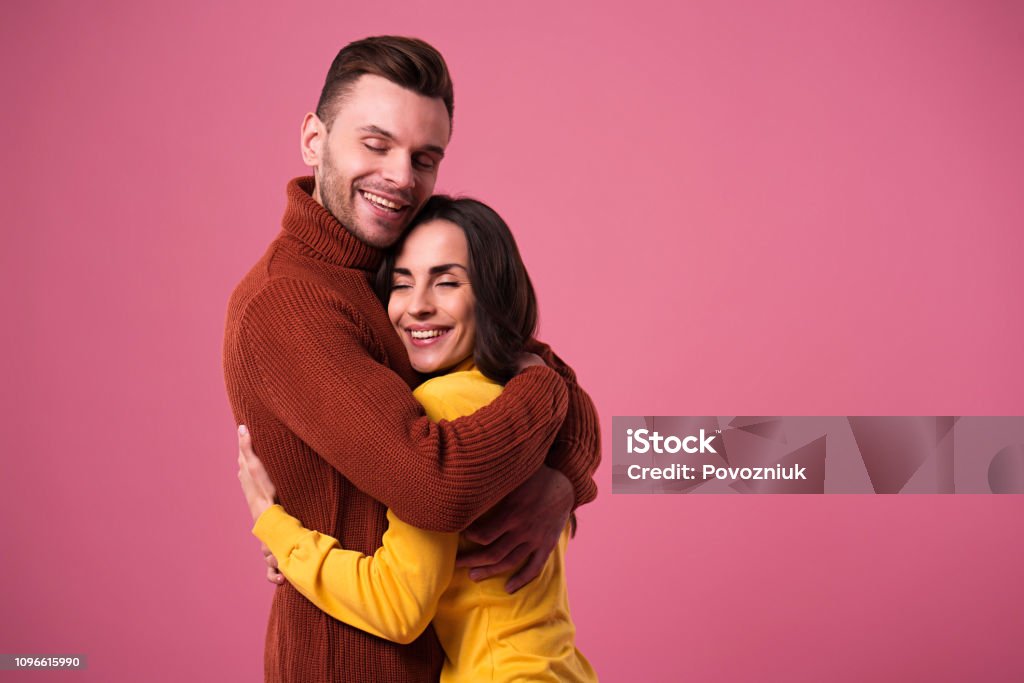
392	594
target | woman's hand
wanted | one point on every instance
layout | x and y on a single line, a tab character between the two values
256	485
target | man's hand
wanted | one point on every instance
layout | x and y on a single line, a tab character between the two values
527	359
259	493
523	528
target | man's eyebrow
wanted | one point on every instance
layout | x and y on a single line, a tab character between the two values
377	130
380	132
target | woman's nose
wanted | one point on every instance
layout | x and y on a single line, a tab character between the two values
422	302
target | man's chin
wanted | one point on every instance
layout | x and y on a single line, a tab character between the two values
378	238
378	233
368	230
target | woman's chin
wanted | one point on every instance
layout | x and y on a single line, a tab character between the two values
427	366
426	369
435	366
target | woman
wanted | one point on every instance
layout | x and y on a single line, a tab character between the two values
459	296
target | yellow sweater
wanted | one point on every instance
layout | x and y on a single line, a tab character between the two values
487	634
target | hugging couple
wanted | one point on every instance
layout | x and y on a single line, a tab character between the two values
418	461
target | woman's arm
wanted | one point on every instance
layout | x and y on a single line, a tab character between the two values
392	594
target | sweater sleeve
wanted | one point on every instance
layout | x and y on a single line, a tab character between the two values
576	452
307	359
392	594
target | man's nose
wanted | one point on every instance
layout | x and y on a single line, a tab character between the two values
398	170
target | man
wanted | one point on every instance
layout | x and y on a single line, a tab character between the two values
315	370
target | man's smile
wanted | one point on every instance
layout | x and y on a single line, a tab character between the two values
379	201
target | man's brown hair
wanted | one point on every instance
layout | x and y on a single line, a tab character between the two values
408	62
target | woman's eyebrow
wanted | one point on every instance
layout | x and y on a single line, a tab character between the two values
444	268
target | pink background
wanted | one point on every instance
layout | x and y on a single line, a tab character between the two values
728	208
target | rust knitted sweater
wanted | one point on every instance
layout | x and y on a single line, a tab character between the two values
314	368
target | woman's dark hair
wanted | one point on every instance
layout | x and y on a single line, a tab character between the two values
506	307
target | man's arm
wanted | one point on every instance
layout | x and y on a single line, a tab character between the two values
392	594
576	452
525	526
306	358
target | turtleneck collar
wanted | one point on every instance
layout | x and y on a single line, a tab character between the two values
316	227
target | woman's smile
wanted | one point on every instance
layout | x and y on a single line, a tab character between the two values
425	336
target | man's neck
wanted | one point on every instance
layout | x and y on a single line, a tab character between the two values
316	191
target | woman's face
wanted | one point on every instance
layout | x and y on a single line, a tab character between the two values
431	303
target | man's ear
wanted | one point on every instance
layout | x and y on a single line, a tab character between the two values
312	139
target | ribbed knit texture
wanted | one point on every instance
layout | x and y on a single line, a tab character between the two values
314	368
577	448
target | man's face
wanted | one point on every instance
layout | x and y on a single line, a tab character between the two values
378	164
